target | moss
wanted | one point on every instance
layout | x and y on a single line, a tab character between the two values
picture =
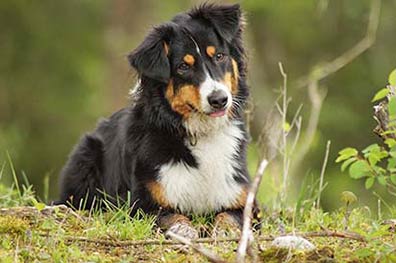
13	225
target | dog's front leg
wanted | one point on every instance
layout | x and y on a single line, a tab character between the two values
228	223
178	224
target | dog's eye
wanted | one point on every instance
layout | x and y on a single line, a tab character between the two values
182	67
220	57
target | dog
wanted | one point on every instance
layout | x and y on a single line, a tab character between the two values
180	147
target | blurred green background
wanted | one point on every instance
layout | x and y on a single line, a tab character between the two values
62	66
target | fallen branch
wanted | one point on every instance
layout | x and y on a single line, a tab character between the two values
338	234
211	256
248	214
149	242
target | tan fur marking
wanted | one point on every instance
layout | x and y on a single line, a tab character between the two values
226	222
166	49
189	59
166	222
169	90
241	200
157	193
185	100
211	51
231	78
235	77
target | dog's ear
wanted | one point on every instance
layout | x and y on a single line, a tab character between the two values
150	58
226	19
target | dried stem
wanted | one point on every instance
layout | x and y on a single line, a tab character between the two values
322	172
247	234
286	162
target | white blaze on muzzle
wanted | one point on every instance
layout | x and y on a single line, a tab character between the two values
207	88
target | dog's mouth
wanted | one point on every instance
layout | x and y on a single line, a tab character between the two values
214	113
218	113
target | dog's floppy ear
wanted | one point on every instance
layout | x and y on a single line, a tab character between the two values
150	57
226	19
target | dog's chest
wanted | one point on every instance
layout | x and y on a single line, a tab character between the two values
211	186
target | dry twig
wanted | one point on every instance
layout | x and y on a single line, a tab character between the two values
247	213
132	243
286	160
322	173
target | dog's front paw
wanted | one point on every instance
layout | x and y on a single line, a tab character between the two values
184	230
225	226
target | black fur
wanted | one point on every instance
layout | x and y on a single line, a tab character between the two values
124	152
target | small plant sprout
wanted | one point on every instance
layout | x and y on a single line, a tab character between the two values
347	198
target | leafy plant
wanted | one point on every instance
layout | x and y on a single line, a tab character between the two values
376	163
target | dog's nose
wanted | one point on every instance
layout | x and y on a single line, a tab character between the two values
218	99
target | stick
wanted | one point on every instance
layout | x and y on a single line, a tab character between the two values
322	173
326	233
131	243
247	213
211	256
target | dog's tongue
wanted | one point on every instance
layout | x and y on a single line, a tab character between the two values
217	113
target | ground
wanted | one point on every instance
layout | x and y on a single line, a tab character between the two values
37	233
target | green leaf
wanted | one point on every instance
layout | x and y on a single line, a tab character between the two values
393	178
369	182
39	206
390	142
347	163
380	94
388	132
375	157
391	163
392	78
286	127
392	107
346	154
378	170
371	148
382	180
359	169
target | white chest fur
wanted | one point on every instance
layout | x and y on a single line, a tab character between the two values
210	186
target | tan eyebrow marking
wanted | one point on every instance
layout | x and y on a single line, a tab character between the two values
210	50
166	48
189	59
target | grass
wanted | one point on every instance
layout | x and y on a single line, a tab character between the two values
33	236
34	233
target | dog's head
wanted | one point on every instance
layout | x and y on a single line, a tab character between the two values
199	58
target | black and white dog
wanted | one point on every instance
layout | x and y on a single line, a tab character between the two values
180	148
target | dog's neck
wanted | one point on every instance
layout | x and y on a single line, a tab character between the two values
198	126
